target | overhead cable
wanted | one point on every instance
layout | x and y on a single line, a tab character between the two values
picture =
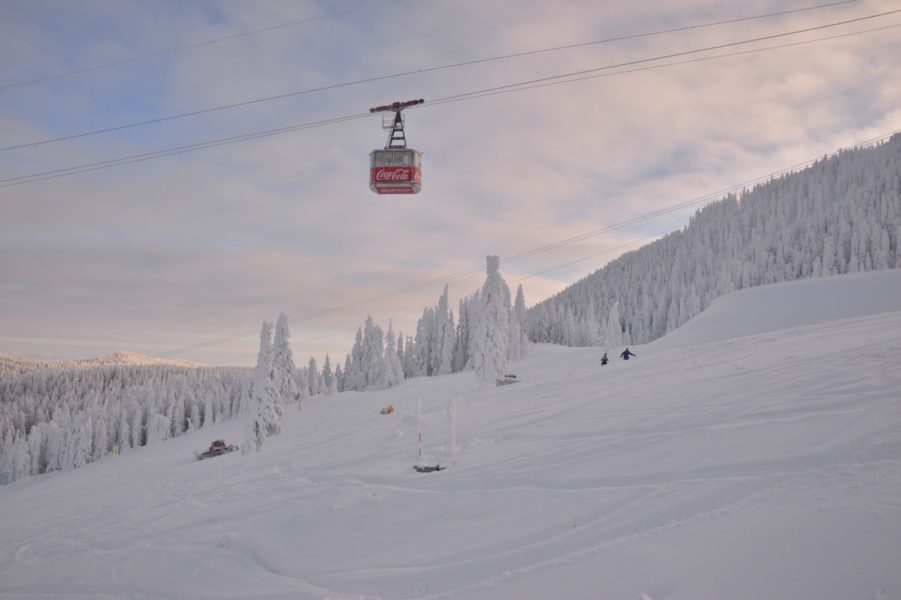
553	81
697	51
508	88
195	113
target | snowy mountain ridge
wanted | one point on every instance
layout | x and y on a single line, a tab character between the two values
133	358
14	364
765	465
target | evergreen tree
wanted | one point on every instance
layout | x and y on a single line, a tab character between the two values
373	355
394	374
408	358
328	379
493	332
443	338
339	379
354	377
519	338
284	370
313	379
159	429
261	418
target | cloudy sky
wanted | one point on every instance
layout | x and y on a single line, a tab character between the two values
185	255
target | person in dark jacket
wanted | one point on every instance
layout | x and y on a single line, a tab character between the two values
604	359
626	354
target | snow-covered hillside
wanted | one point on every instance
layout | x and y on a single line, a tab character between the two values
840	215
761	466
791	304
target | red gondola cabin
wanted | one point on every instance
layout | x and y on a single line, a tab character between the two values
395	169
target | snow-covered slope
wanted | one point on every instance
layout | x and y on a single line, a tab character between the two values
792	304
766	466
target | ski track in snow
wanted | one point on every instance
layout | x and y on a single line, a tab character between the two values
762	466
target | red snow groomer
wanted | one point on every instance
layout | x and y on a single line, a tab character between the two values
217	448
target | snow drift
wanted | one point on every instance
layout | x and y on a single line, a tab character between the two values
764	466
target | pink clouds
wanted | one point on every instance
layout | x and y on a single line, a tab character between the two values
289	223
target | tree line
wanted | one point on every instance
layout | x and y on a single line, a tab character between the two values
489	328
67	417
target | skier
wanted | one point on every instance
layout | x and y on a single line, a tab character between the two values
626	354
604	359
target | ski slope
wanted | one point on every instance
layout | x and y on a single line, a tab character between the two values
787	305
753	464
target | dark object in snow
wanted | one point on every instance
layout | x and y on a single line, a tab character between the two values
626	354
217	448
428	469
507	379
604	359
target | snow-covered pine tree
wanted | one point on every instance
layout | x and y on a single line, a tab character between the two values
444	337
448	343
519	337
16	460
373	355
394	374
400	352
261	418
475	316
493	333
283	367
461	341
328	378
159	429
314	384
338	380
354	378
302	385
425	343
408	358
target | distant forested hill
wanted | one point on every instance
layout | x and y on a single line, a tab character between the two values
16	364
841	215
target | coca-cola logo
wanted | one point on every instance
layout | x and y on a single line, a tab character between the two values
393	174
